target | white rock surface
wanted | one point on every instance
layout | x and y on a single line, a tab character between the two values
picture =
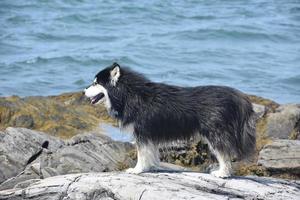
151	186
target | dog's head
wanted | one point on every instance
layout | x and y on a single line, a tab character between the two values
105	79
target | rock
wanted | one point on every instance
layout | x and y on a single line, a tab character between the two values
27	154
87	153
281	156
282	123
18	146
269	105
162	185
259	110
64	115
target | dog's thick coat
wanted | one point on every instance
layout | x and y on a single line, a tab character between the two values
158	113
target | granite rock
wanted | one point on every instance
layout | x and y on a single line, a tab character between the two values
162	185
27	154
283	123
281	156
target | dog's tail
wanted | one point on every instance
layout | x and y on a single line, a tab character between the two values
248	137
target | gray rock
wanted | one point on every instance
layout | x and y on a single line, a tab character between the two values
281	123
281	155
86	153
27	154
184	185
18	146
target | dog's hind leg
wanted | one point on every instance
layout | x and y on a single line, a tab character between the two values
147	158
225	168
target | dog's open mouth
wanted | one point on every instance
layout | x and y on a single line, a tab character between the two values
97	98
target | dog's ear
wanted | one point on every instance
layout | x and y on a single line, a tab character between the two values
115	74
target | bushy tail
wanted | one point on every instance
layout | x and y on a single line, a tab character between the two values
249	136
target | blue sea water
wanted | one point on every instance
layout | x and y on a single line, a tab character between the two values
52	46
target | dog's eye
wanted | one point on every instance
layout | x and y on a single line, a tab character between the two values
95	83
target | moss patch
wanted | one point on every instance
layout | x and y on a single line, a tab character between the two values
242	169
269	104
63	115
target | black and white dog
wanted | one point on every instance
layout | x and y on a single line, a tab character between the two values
157	113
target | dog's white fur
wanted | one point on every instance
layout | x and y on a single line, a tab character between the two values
147	159
225	168
115	74
96	89
147	154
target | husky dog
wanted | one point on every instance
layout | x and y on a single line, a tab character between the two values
158	113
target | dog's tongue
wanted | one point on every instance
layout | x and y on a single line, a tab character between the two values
97	98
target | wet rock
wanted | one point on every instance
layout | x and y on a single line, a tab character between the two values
27	154
162	185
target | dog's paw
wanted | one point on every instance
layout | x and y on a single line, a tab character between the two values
220	174
134	170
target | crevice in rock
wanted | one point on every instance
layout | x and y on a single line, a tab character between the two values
65	193
142	194
78	142
102	193
219	191
297	129
38	153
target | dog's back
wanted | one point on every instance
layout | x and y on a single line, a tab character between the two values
221	114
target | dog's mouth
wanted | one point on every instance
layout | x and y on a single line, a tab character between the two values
97	98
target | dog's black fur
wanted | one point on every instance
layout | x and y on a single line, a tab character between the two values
162	113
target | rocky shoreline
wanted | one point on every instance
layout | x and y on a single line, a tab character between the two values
60	135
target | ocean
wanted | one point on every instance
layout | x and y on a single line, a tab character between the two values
48	47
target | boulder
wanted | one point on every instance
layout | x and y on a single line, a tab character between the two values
283	123
18	146
27	154
162	185
281	156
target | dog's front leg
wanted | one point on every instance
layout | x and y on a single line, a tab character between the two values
147	158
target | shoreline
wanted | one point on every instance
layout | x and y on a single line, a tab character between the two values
70	114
